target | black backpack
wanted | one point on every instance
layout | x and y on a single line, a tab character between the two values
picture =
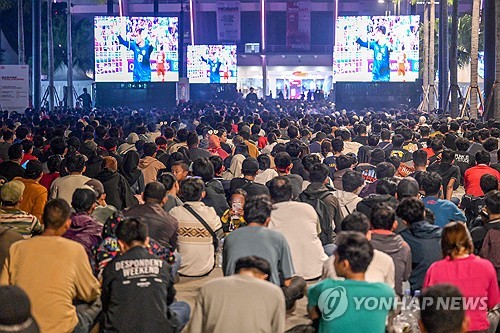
325	220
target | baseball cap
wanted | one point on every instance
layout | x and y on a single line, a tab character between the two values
407	187
15	311
96	186
12	191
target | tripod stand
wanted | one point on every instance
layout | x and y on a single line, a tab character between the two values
57	100
464	111
448	96
430	89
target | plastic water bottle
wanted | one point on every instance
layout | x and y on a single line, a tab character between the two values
407	320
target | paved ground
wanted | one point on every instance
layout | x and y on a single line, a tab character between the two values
187	289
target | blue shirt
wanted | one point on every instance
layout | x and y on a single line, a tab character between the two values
445	211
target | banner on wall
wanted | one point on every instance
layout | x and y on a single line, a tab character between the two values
298	25
14	87
228	21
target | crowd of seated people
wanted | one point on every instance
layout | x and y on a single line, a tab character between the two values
104	211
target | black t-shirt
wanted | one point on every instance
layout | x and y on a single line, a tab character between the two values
447	172
331	162
136	292
464	161
249	186
11	170
449	141
361	139
402	153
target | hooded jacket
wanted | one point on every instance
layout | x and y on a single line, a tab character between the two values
400	252
129	144
366	205
316	190
347	201
117	189
150	167
424	240
85	230
215	197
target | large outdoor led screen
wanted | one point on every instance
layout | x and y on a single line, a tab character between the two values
136	49
376	48
211	63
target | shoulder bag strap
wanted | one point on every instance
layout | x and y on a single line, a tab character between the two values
202	221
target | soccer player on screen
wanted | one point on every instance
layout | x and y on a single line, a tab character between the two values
142	54
381	70
160	65
214	63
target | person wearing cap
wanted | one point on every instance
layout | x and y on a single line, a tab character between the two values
110	144
129	144
11	216
117	191
15	314
249	168
54	272
84	229
102	211
260	298
34	195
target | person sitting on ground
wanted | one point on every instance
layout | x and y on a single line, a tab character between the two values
431	315
491	219
423	238
258	240
12	168
13	218
382	170
352	259
172	186
473	206
352	183
344	164
472	176
444	210
381	268
383	238
130	170
249	168
263	301
34	195
31	266
131	307
450	174
369	170
398	150
54	167
475	277
64	187
463	159
162	226
420	162
215	196
119	194
194	151
299	223
266	173
149	164
284	166
233	218
180	170
385	193
349	145
196	241
328	210
84	229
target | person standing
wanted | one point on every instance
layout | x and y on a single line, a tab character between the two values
85	99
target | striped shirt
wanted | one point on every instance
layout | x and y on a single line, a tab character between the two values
20	221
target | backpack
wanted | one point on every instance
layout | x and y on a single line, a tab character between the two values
325	220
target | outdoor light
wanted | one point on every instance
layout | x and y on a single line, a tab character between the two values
381	1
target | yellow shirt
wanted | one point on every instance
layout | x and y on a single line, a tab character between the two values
53	271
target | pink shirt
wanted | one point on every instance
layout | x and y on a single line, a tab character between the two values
474	277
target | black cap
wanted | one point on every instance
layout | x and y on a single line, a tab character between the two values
407	187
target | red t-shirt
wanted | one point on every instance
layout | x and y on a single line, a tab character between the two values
472	178
476	279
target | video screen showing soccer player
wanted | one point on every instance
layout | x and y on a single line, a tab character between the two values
136	49
211	63
376	49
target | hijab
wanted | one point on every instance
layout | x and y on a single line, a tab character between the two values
129	168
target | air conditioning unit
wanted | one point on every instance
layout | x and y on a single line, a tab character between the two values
252	48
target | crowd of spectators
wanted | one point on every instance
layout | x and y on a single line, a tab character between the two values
103	210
